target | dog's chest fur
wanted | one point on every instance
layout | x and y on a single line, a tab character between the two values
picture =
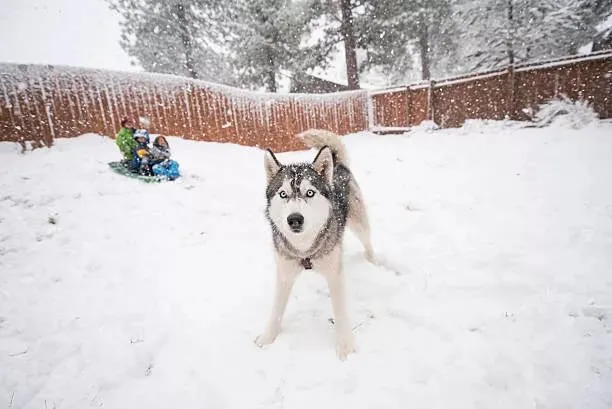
337	194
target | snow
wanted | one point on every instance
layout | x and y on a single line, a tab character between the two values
119	294
387	90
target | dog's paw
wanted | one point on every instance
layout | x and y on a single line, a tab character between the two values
265	339
370	256
345	347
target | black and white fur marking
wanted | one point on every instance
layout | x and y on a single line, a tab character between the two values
308	207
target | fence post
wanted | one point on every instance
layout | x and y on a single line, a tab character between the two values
430	101
370	111
510	111
408	106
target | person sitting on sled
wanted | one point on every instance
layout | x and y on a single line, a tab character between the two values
125	140
141	155
160	151
161	163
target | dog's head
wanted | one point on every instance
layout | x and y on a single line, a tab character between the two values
299	196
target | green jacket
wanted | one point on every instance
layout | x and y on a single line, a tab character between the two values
126	142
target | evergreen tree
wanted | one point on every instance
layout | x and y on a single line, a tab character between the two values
174	36
397	31
337	19
267	36
570	22
513	31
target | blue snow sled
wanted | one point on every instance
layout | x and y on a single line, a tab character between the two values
166	171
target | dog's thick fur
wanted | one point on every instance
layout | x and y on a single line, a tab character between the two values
308	207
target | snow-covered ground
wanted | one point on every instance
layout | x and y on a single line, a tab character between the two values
119	294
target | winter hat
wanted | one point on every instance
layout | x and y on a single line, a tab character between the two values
141	133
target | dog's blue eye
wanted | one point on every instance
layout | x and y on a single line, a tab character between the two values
283	194
310	193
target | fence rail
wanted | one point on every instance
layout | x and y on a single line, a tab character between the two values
39	103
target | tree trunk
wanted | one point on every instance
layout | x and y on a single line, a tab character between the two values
271	74
350	52
424	51
186	40
510	43
271	81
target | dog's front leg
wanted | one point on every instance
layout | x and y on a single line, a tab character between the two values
286	273
332	269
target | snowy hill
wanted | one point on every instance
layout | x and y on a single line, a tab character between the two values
119	294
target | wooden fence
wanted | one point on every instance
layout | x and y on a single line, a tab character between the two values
42	102
39	103
498	94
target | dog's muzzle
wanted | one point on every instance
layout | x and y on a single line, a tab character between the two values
295	222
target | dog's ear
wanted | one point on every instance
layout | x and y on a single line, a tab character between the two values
324	163
271	164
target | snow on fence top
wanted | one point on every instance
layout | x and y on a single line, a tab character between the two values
41	102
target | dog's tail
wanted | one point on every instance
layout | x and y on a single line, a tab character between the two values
318	138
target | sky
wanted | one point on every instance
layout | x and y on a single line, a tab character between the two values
82	33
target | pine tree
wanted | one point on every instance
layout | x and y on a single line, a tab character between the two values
341	20
513	31
397	31
383	34
570	22
174	36
266	36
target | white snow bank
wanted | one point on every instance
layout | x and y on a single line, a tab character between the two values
150	296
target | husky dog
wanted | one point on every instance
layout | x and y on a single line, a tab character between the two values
308	207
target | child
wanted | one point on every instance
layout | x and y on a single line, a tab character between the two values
125	140
162	164
141	155
160	151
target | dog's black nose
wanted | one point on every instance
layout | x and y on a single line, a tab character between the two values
295	221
